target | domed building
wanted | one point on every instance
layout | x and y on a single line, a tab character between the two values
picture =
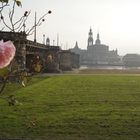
96	53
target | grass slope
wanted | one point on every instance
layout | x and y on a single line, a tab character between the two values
100	107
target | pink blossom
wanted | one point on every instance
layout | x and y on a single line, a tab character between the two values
7	53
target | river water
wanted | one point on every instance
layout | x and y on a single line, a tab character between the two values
109	67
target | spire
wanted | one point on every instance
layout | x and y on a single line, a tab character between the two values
116	51
98	36
76	45
90	32
98	39
57	39
90	38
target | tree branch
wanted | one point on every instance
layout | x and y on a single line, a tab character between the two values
2	29
5	23
20	25
41	18
19	20
12	13
38	23
1	8
25	17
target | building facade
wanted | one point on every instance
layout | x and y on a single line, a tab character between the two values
96	53
131	60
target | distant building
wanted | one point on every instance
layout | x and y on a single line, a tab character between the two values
96	54
131	60
68	60
79	51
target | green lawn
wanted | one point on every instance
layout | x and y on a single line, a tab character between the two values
74	107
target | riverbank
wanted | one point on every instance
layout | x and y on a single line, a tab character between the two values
109	71
104	70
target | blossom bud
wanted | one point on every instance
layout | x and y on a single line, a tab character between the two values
25	14
49	12
2	17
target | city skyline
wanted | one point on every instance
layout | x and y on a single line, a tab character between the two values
116	21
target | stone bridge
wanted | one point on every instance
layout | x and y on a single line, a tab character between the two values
37	57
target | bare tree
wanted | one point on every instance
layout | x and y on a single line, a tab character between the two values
38	23
20	24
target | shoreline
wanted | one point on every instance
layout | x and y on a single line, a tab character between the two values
100	71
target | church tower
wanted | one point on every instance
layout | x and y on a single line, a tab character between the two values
76	45
98	42
90	38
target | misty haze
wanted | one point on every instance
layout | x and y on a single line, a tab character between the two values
69	70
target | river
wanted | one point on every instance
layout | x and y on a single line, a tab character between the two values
109	67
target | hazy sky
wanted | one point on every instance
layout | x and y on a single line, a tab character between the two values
118	22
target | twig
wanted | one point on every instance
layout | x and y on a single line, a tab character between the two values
5	23
2	29
1	8
38	23
20	25
18	20
41	18
12	13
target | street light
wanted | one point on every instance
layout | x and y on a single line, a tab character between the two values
39	22
43	39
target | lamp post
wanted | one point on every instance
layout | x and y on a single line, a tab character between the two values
35	29
44	39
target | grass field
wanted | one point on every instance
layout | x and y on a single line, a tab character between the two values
74	107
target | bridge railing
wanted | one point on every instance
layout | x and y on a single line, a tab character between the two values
42	46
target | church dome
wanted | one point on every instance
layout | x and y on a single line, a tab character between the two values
98	40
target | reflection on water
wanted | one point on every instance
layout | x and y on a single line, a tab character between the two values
109	67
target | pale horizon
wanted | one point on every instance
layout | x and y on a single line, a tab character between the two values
116	21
